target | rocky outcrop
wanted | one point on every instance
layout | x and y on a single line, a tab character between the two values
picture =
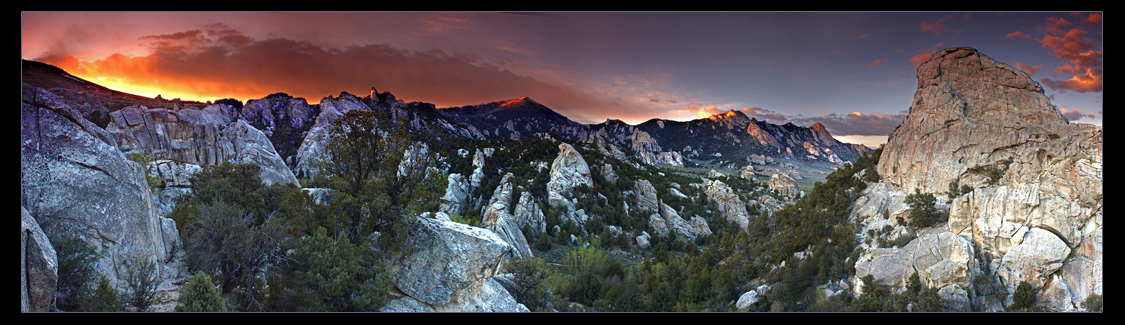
38	267
456	195
528	214
74	180
608	174
496	217
568	171
645	196
310	155
784	185
940	258
969	111
200	137
283	119
176	178
727	202
447	266
1034	212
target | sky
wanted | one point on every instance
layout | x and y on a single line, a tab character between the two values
854	72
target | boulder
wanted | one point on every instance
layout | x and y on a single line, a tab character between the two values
447	262
456	195
642	240
784	185
492	297
495	217
74	180
1039	254
940	259
728	203
38	267
747	299
645	199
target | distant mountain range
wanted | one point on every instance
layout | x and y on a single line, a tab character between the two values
729	140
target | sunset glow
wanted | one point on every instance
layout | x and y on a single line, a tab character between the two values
586	66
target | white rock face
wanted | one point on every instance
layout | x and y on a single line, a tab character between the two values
729	204
496	217
447	262
940	259
747	299
645	196
528	214
567	172
784	185
972	116
38	267
456	195
75	180
310	154
200	137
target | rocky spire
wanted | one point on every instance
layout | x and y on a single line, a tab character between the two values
967	109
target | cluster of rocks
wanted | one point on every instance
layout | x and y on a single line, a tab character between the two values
75	180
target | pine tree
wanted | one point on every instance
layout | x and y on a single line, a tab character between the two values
199	295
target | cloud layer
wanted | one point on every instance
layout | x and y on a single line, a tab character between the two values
220	62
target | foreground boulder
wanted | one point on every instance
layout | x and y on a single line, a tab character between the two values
38	267
75	181
448	266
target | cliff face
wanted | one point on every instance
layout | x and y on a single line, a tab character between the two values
1035	210
969	111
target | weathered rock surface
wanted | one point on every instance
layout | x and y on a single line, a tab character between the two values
456	195
940	259
729	204
177	182
645	199
528	214
283	119
200	137
38	267
969	111
784	185
310	155
973	118
496	217
74	180
448	263
568	171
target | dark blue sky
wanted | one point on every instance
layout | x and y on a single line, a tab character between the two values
853	72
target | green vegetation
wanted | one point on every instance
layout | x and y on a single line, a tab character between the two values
1093	303
955	192
141	280
76	274
923	210
1024	298
199	295
103	299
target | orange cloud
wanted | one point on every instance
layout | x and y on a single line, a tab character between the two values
937	27
1094	18
925	54
1028	68
862	36
1084	57
1018	35
882	62
218	62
